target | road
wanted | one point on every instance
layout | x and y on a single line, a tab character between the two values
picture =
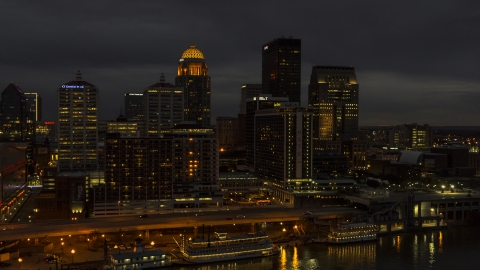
39	229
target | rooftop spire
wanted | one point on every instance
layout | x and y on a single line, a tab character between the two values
79	75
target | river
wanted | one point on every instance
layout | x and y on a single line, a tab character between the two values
452	248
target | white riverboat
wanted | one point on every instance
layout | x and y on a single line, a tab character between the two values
221	247
345	232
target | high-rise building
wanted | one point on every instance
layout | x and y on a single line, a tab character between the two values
248	91
77	125
333	92
195	161
124	127
192	76
13	115
254	104
153	175
281	68
133	106
227	133
283	152
34	107
163	107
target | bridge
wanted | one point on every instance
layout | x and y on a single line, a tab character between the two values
42	229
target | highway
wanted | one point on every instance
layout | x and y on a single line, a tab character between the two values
41	229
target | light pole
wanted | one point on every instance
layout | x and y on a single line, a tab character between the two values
19	261
62	248
70	237
73	252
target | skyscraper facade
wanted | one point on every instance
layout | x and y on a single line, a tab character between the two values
281	68
333	91
192	76
34	107
153	175
253	105
248	91
13	115
77	125
133	106
162	107
283	152
227	133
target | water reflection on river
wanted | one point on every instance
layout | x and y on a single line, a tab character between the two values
446	249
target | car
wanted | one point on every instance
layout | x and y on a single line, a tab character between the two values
199	214
121	247
307	213
144	215
229	218
128	246
240	216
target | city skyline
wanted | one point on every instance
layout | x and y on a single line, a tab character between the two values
415	63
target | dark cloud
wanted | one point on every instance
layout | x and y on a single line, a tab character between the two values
415	61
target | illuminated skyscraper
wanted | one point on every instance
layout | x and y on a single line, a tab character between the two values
333	91
253	105
193	78
162	107
77	125
248	91
133	106
34	107
13	114
283	152
281	68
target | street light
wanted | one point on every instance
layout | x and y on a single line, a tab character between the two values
19	261
73	252
62	247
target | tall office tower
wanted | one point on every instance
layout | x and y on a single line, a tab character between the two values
283	152
227	133
248	91
133	106
253	105
193	78
281	68
195	167
77	125
34	107
163	107
13	112
333	91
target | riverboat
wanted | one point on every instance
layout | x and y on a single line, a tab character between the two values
345	232
222	247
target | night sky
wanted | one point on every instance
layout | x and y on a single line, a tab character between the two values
416	61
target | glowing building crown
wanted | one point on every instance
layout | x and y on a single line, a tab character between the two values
192	52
